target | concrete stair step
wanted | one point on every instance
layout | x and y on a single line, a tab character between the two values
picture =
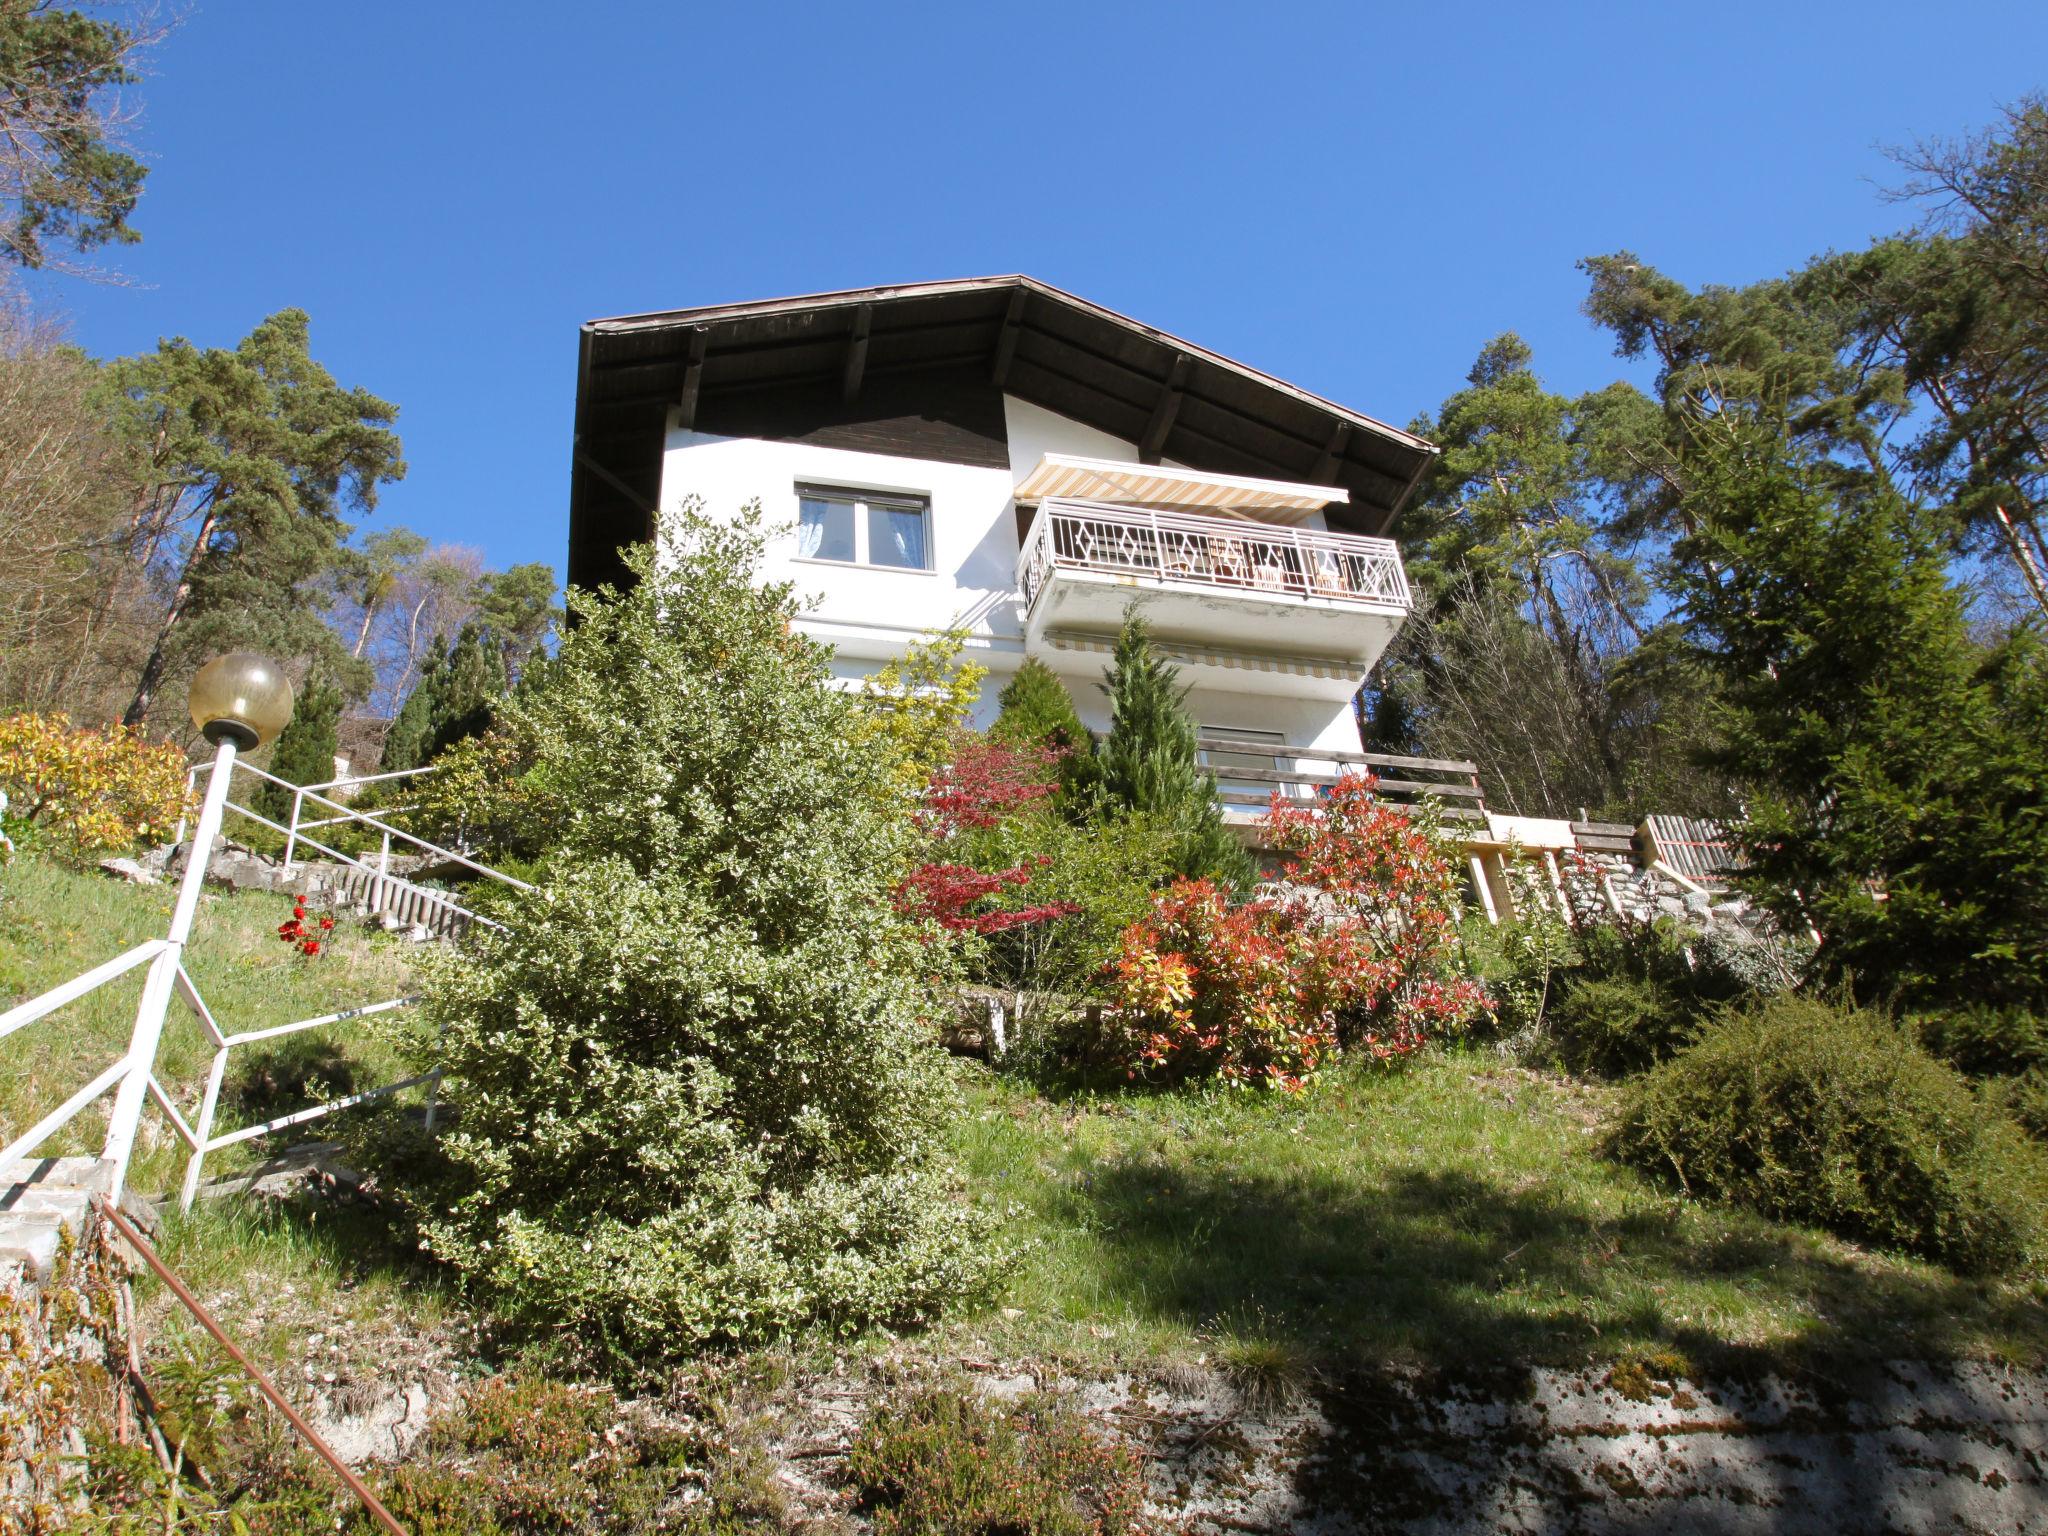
39	1198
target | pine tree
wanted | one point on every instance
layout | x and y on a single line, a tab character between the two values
260	452
64	179
1148	762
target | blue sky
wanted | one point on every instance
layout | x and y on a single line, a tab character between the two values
1353	197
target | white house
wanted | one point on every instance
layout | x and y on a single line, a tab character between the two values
999	455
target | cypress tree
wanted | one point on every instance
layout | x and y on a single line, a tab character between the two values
1037	711
1148	761
472	682
305	748
455	698
405	744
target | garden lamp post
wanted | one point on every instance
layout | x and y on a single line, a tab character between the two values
239	701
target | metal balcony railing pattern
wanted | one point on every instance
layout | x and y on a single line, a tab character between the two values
1221	553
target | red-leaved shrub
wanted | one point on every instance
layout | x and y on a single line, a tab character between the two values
985	782
1391	878
1356	945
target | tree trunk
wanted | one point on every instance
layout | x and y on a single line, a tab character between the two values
137	713
2025	557
363	634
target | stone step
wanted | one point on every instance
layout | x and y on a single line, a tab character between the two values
39	1197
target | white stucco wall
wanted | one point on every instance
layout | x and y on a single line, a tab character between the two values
871	613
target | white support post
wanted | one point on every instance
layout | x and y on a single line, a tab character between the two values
1485	890
202	1129
291	837
383	875
191	787
162	977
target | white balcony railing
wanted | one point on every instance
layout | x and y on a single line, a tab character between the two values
1219	553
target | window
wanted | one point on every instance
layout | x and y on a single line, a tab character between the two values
864	528
1243	791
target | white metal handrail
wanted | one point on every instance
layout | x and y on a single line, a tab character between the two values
1218	553
296	832
132	1077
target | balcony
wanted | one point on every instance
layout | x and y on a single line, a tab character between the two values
1228	582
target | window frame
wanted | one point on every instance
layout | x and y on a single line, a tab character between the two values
862	501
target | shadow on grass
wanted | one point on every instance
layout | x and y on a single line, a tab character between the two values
1445	1270
290	1076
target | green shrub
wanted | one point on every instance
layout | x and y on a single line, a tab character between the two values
1808	1112
1614	1026
1037	711
1106	873
698	1099
937	1462
2025	1098
1638	994
1987	1041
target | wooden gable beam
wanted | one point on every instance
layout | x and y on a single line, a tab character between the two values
856	351
1325	472
1164	410
693	379
1006	339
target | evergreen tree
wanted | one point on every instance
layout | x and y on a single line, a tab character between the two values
262	451
472	683
457	694
1035	710
518	606
1894	767
63	178
1148	763
405	743
305	748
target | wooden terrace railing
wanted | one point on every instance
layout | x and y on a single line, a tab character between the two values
1402	780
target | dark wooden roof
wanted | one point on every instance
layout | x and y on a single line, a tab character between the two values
923	367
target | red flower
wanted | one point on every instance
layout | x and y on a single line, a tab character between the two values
326	923
310	947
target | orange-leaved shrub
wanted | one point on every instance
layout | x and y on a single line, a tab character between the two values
89	789
1356	945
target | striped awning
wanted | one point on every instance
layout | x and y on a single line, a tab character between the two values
1151	485
1203	656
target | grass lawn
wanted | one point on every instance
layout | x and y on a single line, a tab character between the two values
56	922
1455	1212
1452	1213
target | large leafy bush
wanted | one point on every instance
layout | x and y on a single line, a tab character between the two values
89	790
696	1099
1809	1112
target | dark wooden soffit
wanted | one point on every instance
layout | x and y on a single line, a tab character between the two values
920	370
